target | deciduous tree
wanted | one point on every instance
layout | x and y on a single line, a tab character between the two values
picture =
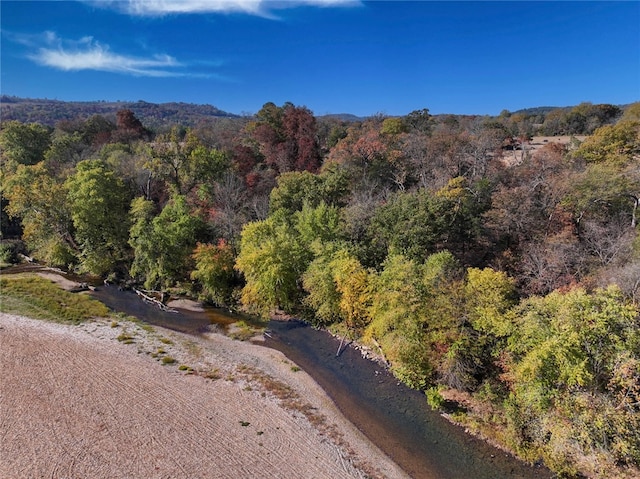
25	144
272	260
214	269
40	202
163	244
184	163
99	202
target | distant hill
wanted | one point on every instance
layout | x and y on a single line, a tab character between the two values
348	117
152	115
161	116
539	110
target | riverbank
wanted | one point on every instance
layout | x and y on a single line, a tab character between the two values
394	418
120	399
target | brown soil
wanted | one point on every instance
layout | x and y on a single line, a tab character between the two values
538	142
78	402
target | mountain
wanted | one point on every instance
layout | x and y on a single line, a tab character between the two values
152	115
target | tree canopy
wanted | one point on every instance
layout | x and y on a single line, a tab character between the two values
482	266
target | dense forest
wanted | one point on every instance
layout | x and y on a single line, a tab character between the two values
153	115
500	278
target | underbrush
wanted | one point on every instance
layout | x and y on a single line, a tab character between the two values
9	252
39	298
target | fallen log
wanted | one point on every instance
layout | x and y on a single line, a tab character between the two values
148	299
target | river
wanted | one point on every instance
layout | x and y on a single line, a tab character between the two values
394	417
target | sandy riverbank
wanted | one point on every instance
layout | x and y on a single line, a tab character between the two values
77	402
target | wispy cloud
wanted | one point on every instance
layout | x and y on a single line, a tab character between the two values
252	7
89	54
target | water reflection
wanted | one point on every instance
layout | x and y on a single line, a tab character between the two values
184	321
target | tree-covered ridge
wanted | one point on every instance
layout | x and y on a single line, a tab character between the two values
478	267
548	120
154	115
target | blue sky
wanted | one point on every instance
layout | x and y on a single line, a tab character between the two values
333	56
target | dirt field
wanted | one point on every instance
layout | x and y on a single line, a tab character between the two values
77	402
538	142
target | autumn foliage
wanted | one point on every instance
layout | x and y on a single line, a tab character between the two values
473	260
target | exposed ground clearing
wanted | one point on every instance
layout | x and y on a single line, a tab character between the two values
77	402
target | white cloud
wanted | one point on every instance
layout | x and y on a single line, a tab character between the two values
162	7
252	7
89	54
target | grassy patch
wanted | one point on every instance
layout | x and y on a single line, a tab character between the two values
36	297
245	329
147	327
125	338
167	360
212	374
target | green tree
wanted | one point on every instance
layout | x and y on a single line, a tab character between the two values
293	189
142	240
214	268
566	355
318	282
65	152
272	260
462	205
484	301
320	224
274	254
572	339
352	284
397	297
163	245
99	202
184	162
613	143
40	201
393	126
25	144
413	224
489	295
416	316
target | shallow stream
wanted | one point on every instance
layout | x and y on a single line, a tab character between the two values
394	417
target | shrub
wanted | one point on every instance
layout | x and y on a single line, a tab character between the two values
8	253
434	398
